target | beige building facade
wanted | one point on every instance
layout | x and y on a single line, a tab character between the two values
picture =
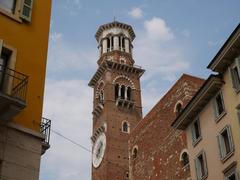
211	119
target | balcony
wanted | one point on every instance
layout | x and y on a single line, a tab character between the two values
13	89
45	130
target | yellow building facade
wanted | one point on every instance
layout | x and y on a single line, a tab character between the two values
24	33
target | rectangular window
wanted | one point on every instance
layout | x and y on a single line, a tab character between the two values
225	141
17	9
8	5
196	131
201	166
235	74
238	112
219	106
231	172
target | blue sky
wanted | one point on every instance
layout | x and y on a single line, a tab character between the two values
172	37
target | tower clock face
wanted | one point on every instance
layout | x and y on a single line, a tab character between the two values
98	150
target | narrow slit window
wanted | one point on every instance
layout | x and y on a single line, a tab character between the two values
196	131
129	93
116	91
123	92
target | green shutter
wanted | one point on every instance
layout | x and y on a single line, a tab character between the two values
198	169
215	107
238	175
205	163
220	146
193	133
238	64
26	10
233	78
230	137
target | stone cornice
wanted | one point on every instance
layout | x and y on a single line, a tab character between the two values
108	65
112	25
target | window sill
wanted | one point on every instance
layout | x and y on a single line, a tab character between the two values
11	15
124	132
220	116
195	142
230	154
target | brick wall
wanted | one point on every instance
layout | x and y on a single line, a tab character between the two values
159	145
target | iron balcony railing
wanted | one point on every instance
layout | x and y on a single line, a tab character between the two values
13	83
46	129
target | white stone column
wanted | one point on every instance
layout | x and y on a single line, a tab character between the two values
126	41
100	50
116	43
119	91
125	93
104	45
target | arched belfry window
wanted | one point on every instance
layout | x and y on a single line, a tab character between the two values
184	158
116	91
123	92
112	42
125	127
135	152
123	44
123	88
108	44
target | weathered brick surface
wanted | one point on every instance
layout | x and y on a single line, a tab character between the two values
116	159
159	145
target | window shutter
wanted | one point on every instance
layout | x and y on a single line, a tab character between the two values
205	163
233	78
238	65
230	137
193	133
220	146
215	108
222	100
26	10
238	175
198	169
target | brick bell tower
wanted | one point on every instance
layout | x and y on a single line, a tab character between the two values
117	101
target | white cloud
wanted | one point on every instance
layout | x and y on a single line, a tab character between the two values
161	56
158	30
68	103
186	33
136	13
65	58
73	7
211	43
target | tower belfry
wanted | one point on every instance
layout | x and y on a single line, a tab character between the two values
117	104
